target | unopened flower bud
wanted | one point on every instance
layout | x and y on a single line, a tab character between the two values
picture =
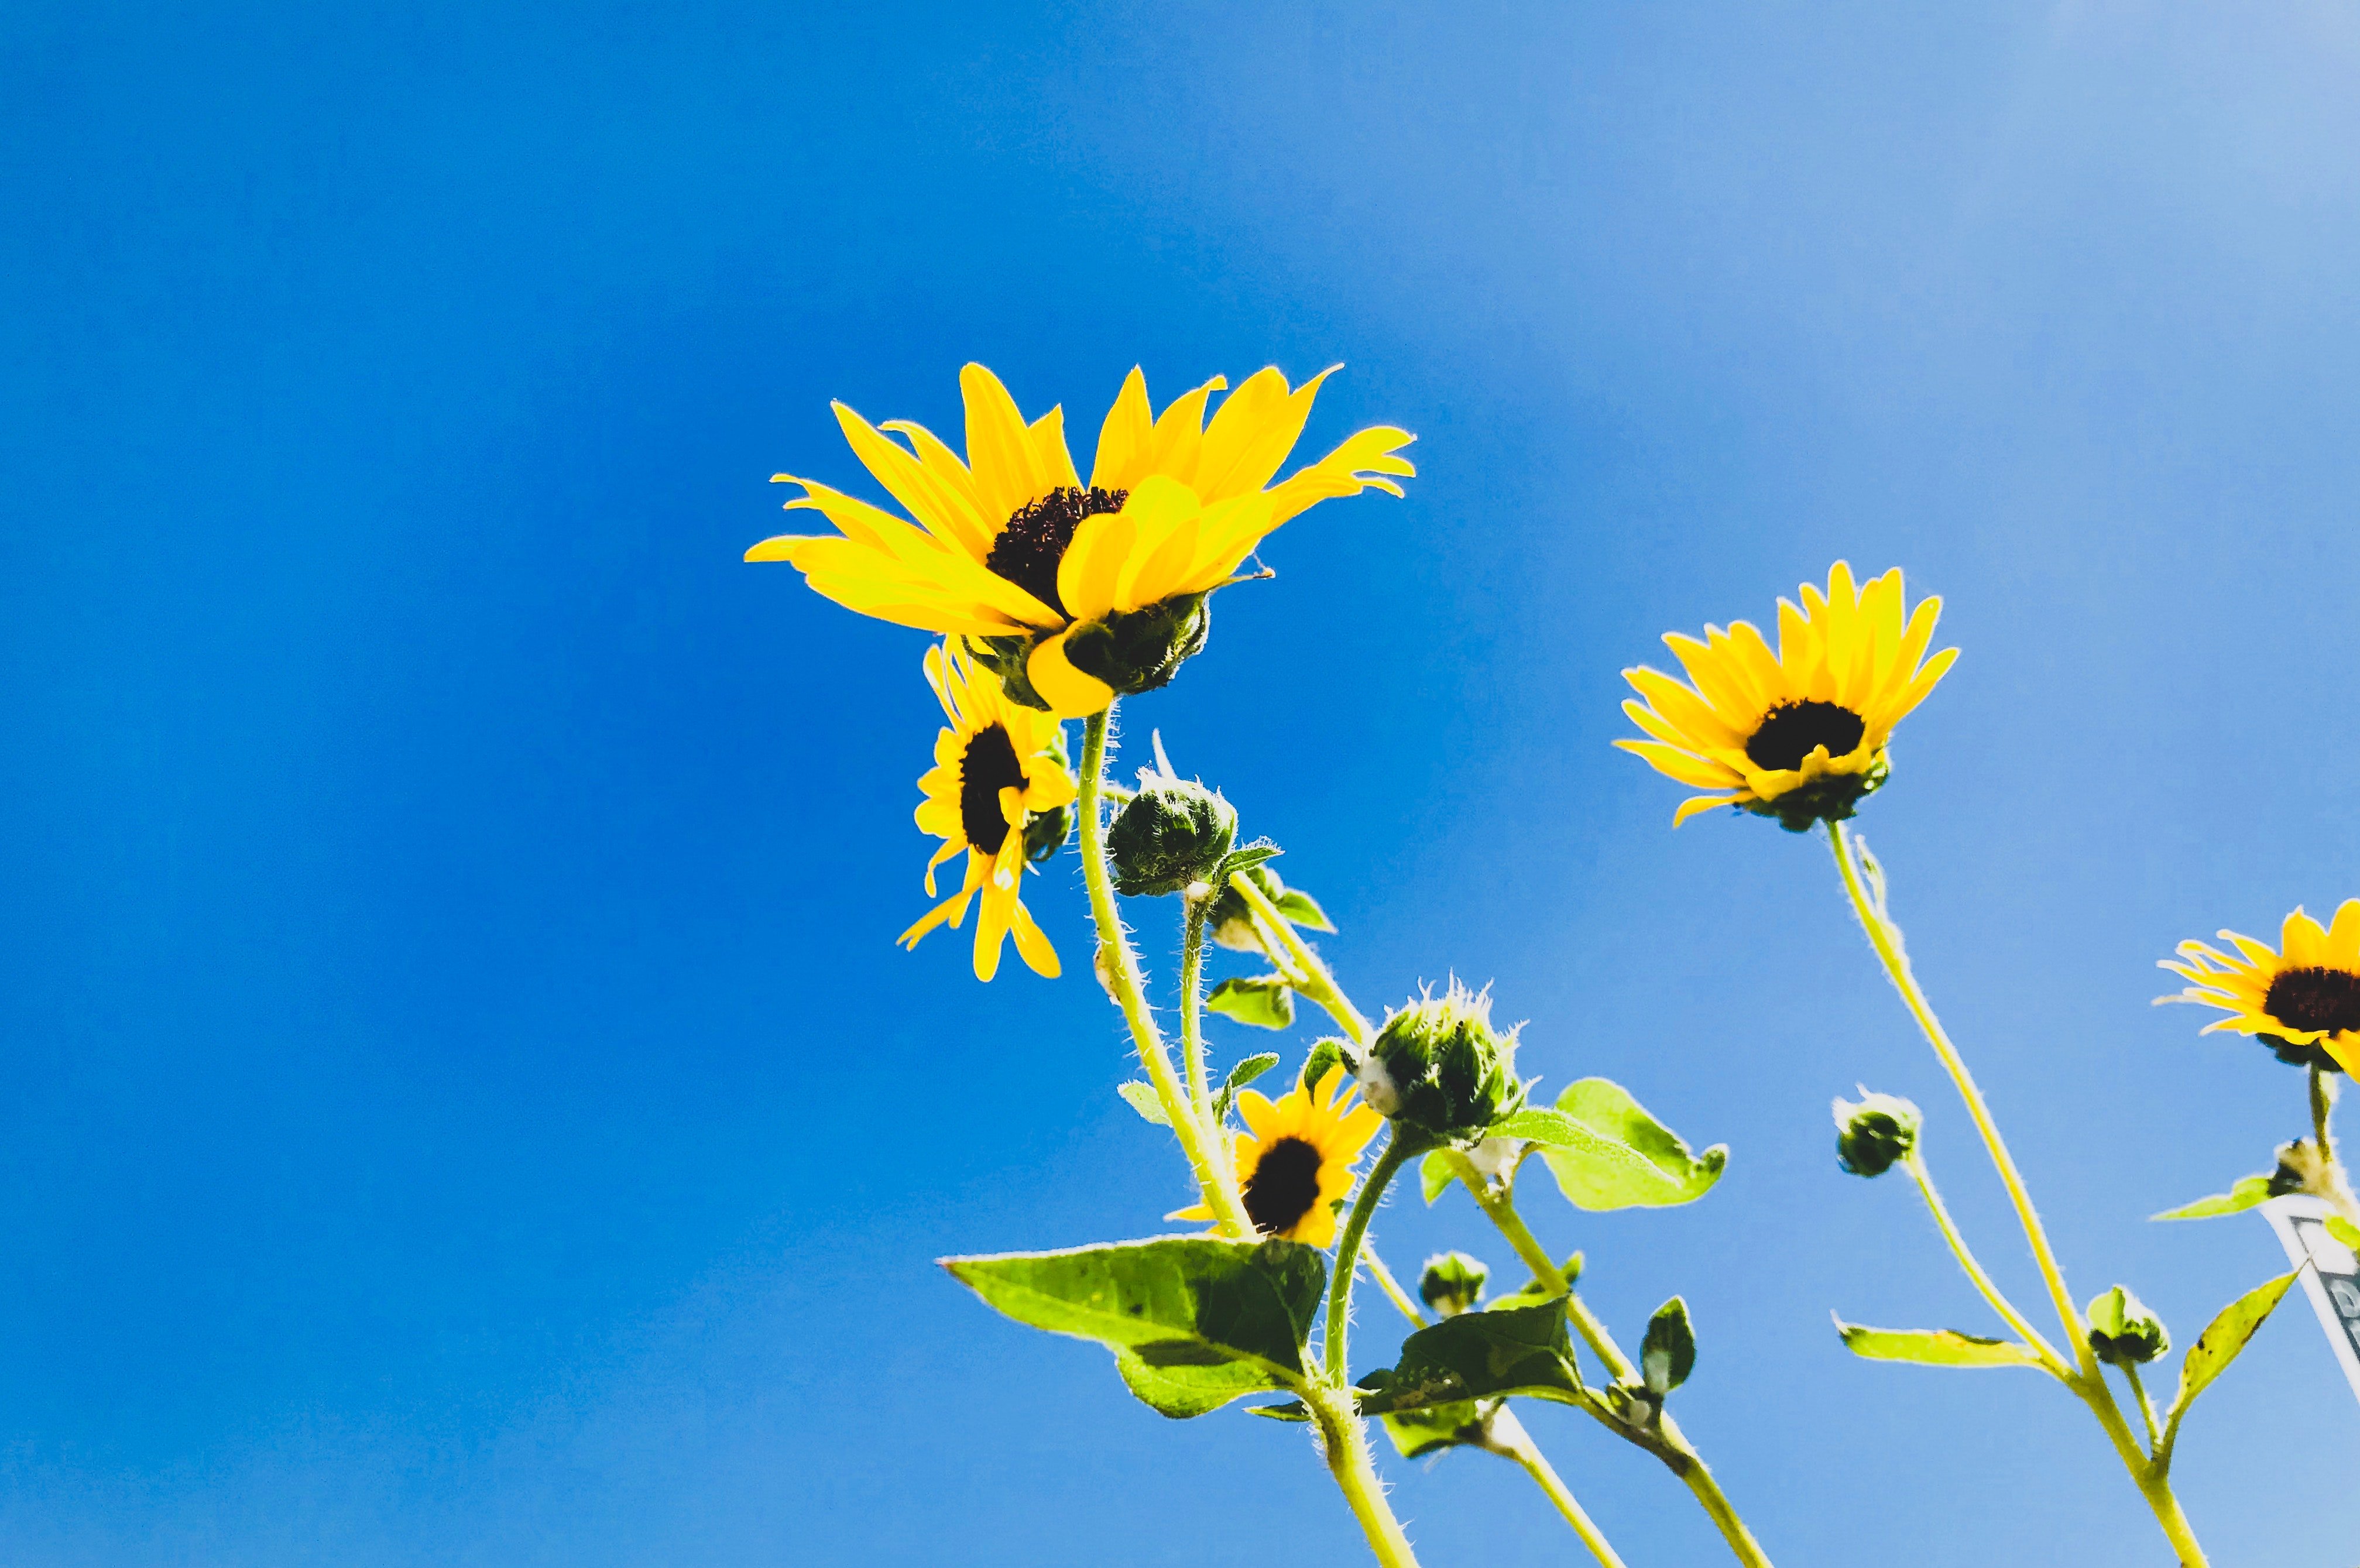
1437	1067
1874	1133
2123	1332
1452	1283
1173	833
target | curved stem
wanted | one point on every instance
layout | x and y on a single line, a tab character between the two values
1287	950
2146	1406
1118	970
1387	1283
1192	1025
2088	1383
2015	1320
1676	1451
1345	1443
1340	1288
2334	1177
1511	1439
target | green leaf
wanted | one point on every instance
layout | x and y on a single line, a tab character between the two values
1252	1068
1193	1321
2249	1192
1531	1291
1416	1434
2222	1340
1934	1346
1482	1355
2345	1231
1245	857
1607	1152
1265	1001
1667	1354
1302	909
1434	1174
1326	1052
1142	1099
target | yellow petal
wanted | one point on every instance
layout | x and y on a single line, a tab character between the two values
1070	693
1008	475
1691	807
1032	945
1124	438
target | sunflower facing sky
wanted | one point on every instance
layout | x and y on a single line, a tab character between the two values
1073	593
1800	734
999	789
1295	1161
2303	998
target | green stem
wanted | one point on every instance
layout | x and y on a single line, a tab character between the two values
2334	1177
1192	1023
1340	1288
1677	1453
1345	1442
1292	954
1390	1286
1118	970
2146	1406
2090	1383
1510	1438
2015	1320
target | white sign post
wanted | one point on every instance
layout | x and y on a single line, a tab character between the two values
2333	1281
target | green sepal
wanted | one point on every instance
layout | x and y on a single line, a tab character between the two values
1667	1354
1934	1346
2227	1335
1142	1098
1434	1175
1482	1355
1266	1001
1194	1322
1532	1293
1005	657
1326	1052
1607	1152
1292	1410
1139	650
2248	1192
1831	798
1245	857
1302	909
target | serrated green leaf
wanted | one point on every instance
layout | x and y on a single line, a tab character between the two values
1667	1354
1607	1152
1142	1098
1302	909
2247	1193
1416	1434
1482	1355
1252	1068
1934	1346
1245	857
1193	1321
1265	1001
2222	1339
1531	1291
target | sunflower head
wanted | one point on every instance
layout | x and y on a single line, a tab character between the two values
1439	1069
1799	735
1074	593
1170	835
2302	998
1000	790
2123	1332
1294	1158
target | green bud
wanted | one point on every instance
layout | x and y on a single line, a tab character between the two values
1667	1354
1171	834
1439	1068
1452	1283
1130	650
2123	1332
1874	1133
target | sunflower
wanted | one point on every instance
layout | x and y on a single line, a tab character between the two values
1074	593
2302	999
1295	1162
1798	734
999	789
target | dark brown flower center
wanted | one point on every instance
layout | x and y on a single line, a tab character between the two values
1284	1185
1029	548
2315	999
1791	731
988	767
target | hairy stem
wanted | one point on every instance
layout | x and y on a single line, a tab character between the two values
1344	1441
2015	1320
2089	1382
1192	1028
1118	970
1387	1283
2146	1408
1347	1246
1293	957
1511	1439
2333	1176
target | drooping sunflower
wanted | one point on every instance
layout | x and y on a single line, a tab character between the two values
2303	999
999	789
1295	1161
1074	593
1798	734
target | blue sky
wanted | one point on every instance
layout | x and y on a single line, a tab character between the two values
463	1104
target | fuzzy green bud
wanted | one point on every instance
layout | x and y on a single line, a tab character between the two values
2123	1332
1171	834
1452	1283
1874	1133
1439	1068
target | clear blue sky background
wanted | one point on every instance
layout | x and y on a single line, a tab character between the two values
462	1103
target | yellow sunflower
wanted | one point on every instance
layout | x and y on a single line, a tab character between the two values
1074	593
999	789
1295	1162
1800	734
2303	999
